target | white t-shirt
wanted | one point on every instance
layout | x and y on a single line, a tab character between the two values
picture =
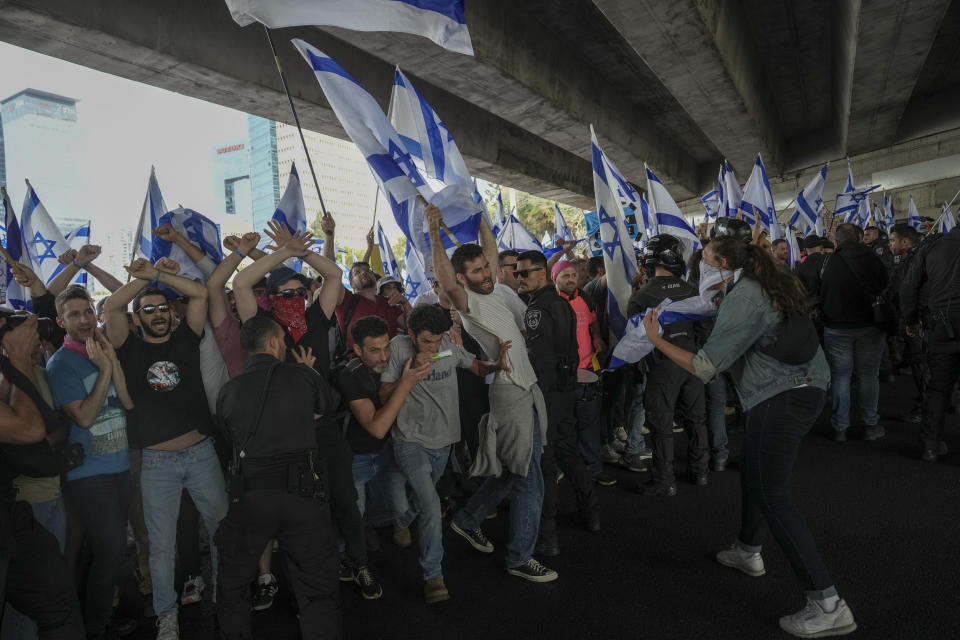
488	320
510	298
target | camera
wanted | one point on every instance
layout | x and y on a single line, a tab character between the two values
46	328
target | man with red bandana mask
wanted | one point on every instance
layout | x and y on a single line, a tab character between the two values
285	298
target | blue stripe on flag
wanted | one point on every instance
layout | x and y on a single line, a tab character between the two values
452	9
329	66
434	136
385	167
598	163
413	146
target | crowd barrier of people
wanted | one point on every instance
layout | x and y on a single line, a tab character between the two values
291	415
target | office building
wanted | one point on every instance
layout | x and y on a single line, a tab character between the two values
231	178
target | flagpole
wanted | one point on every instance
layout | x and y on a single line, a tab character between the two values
296	118
953	199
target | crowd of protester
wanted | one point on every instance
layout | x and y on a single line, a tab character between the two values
289	414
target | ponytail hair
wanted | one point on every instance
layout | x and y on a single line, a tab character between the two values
784	289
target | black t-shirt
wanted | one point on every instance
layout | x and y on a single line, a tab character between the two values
316	338
355	382
165	385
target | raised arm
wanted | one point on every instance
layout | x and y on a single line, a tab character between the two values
216	298
331	291
20	420
115	308
328	225
489	244
84	412
442	267
378	421
171	235
25	277
295	246
566	253
70	268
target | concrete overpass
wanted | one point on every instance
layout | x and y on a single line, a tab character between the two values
679	84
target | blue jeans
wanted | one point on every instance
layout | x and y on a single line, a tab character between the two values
422	467
849	352
366	466
637	414
52	516
526	502
717	417
589	425
163	476
101	503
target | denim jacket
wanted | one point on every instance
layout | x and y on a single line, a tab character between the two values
747	318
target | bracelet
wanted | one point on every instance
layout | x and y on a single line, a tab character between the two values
81	267
156	280
238	253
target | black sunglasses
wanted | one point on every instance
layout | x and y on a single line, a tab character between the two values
289	293
150	308
523	273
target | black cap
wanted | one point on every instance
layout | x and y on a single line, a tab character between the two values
812	241
284	274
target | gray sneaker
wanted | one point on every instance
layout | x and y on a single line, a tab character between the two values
813	622
874	432
736	558
620	434
168	627
608	455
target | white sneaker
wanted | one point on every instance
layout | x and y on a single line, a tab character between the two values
736	558
192	590
620	434
168	627
813	622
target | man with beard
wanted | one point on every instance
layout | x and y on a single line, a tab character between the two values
588	393
162	369
363	300
904	243
268	412
507	284
512	433
551	334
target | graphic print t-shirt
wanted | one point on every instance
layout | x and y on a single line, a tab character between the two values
72	377
166	386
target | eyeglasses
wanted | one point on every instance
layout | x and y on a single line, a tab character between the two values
289	293
523	273
150	308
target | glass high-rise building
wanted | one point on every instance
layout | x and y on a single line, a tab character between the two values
231	179
43	142
345	180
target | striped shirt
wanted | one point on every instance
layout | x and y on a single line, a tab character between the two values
488	320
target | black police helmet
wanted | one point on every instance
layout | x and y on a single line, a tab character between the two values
732	227
664	251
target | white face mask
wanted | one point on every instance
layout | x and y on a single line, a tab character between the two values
710	276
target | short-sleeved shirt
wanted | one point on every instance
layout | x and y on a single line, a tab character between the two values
366	307
166	386
513	301
227	335
585	317
430	416
72	377
488	320
355	382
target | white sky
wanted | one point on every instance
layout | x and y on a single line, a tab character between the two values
130	126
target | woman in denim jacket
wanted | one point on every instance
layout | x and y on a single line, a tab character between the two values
782	401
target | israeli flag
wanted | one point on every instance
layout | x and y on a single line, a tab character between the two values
732	194
77	239
560	229
669	217
292	213
619	257
15	295
635	344
649	221
807	203
819	228
441	21
711	205
517	237
846	204
501	220
153	208
390	267
42	239
793	255
757	197
913	215
890	218
546	241
947	221
393	167
416	281
430	144
196	228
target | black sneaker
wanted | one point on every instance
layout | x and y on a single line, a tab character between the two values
346	573
266	589
604	479
653	488
914	416
840	436
369	587
475	537
873	432
534	572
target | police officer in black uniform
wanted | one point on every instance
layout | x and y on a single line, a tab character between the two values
907	351
668	386
550	325
930	303
276	486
